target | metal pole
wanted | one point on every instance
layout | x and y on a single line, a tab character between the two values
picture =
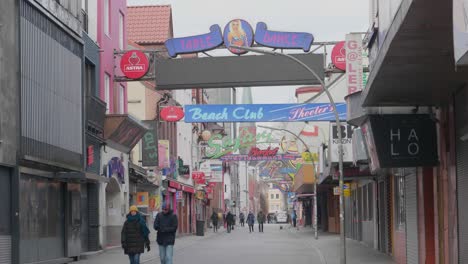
315	209
340	143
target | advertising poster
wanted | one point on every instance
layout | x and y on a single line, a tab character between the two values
142	199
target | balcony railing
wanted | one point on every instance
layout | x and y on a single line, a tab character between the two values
95	112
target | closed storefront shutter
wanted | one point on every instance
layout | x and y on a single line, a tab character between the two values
461	115
5	209
93	217
411	217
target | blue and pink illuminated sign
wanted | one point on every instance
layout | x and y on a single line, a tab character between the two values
282	40
195	44
263	112
238	32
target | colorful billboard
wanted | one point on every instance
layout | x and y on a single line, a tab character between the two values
263	112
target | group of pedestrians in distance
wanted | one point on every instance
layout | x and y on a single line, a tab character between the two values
230	221
135	234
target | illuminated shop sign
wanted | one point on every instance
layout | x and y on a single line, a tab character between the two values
239	32
263	112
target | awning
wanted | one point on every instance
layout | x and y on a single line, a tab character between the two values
304	179
180	186
413	63
124	130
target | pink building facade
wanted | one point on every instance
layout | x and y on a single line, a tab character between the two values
112	37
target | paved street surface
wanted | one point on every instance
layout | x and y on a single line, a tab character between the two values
275	246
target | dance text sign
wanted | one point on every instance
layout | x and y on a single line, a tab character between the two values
263	112
238	32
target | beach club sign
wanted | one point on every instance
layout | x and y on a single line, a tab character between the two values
263	112
239	32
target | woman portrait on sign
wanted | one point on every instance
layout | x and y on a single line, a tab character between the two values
237	36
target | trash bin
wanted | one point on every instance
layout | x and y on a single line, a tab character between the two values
200	228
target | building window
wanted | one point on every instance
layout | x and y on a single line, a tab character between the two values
107	17
107	92
277	196
121	31
90	79
400	216
121	99
84	15
272	196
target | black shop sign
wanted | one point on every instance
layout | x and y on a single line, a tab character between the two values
403	140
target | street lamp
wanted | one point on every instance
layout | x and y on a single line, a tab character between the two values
340	143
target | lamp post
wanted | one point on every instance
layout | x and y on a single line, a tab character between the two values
340	143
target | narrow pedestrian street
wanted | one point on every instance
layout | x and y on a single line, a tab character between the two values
273	246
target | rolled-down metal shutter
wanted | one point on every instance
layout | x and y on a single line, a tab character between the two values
461	114
5	249
93	217
411	204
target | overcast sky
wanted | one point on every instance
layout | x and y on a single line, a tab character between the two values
327	20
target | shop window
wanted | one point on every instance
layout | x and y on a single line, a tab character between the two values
400	216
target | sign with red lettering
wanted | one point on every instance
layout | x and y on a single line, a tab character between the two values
269	152
172	113
198	177
338	56
354	67
90	155
134	64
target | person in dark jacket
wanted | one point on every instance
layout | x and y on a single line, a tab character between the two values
214	220
242	219
166	224
134	235
230	221
251	221
261	221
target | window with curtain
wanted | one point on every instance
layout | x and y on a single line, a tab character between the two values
107	92
107	17
121	31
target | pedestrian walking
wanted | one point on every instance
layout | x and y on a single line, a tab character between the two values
166	224
261	221
242	219
268	218
229	221
214	220
251	221
294	218
134	235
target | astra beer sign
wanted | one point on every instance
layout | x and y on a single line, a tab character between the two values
263	112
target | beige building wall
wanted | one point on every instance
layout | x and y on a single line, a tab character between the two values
275	201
